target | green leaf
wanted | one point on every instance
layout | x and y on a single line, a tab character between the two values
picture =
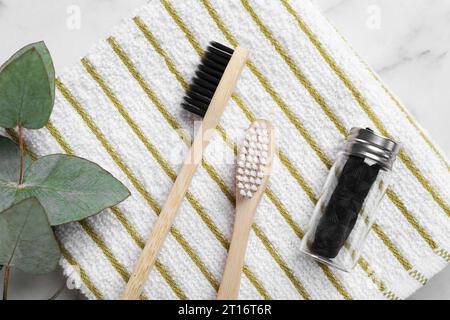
27	241
69	188
27	88
9	170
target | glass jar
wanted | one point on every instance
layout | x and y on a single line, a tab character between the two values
346	209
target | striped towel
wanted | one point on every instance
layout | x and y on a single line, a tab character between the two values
120	107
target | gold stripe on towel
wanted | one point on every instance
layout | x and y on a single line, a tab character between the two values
277	257
313	38
140	242
173	69
155	153
123	220
136	183
271	92
412	167
152	96
336	282
381	286
171	66
357	95
303	80
423	233
145	86
101	244
298	74
410	119
84	277
264	82
303	26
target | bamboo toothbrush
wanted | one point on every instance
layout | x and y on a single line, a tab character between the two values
207	97
254	165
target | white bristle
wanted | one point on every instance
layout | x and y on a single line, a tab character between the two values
252	159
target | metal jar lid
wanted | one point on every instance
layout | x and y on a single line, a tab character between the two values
367	144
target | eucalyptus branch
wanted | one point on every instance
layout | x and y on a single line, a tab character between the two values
8	267
29	218
6	282
21	155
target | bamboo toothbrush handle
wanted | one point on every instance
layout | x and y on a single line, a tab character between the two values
168	213
245	214
231	279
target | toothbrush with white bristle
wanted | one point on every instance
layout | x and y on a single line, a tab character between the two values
254	165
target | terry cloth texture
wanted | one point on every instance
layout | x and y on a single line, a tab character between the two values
120	107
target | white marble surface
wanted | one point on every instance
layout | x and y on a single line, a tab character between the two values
406	41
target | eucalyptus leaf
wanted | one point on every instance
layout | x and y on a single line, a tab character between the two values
27	88
69	188
27	241
9	170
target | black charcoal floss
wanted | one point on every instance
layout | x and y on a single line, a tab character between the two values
346	209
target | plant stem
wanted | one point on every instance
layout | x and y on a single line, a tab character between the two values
8	267
21	155
5	282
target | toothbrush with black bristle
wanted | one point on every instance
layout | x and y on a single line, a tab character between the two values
254	165
207	96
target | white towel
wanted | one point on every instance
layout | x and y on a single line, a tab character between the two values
120	107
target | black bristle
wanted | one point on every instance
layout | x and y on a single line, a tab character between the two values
221	47
205	84
203	75
201	90
196	96
207	78
210	71
216	58
214	65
